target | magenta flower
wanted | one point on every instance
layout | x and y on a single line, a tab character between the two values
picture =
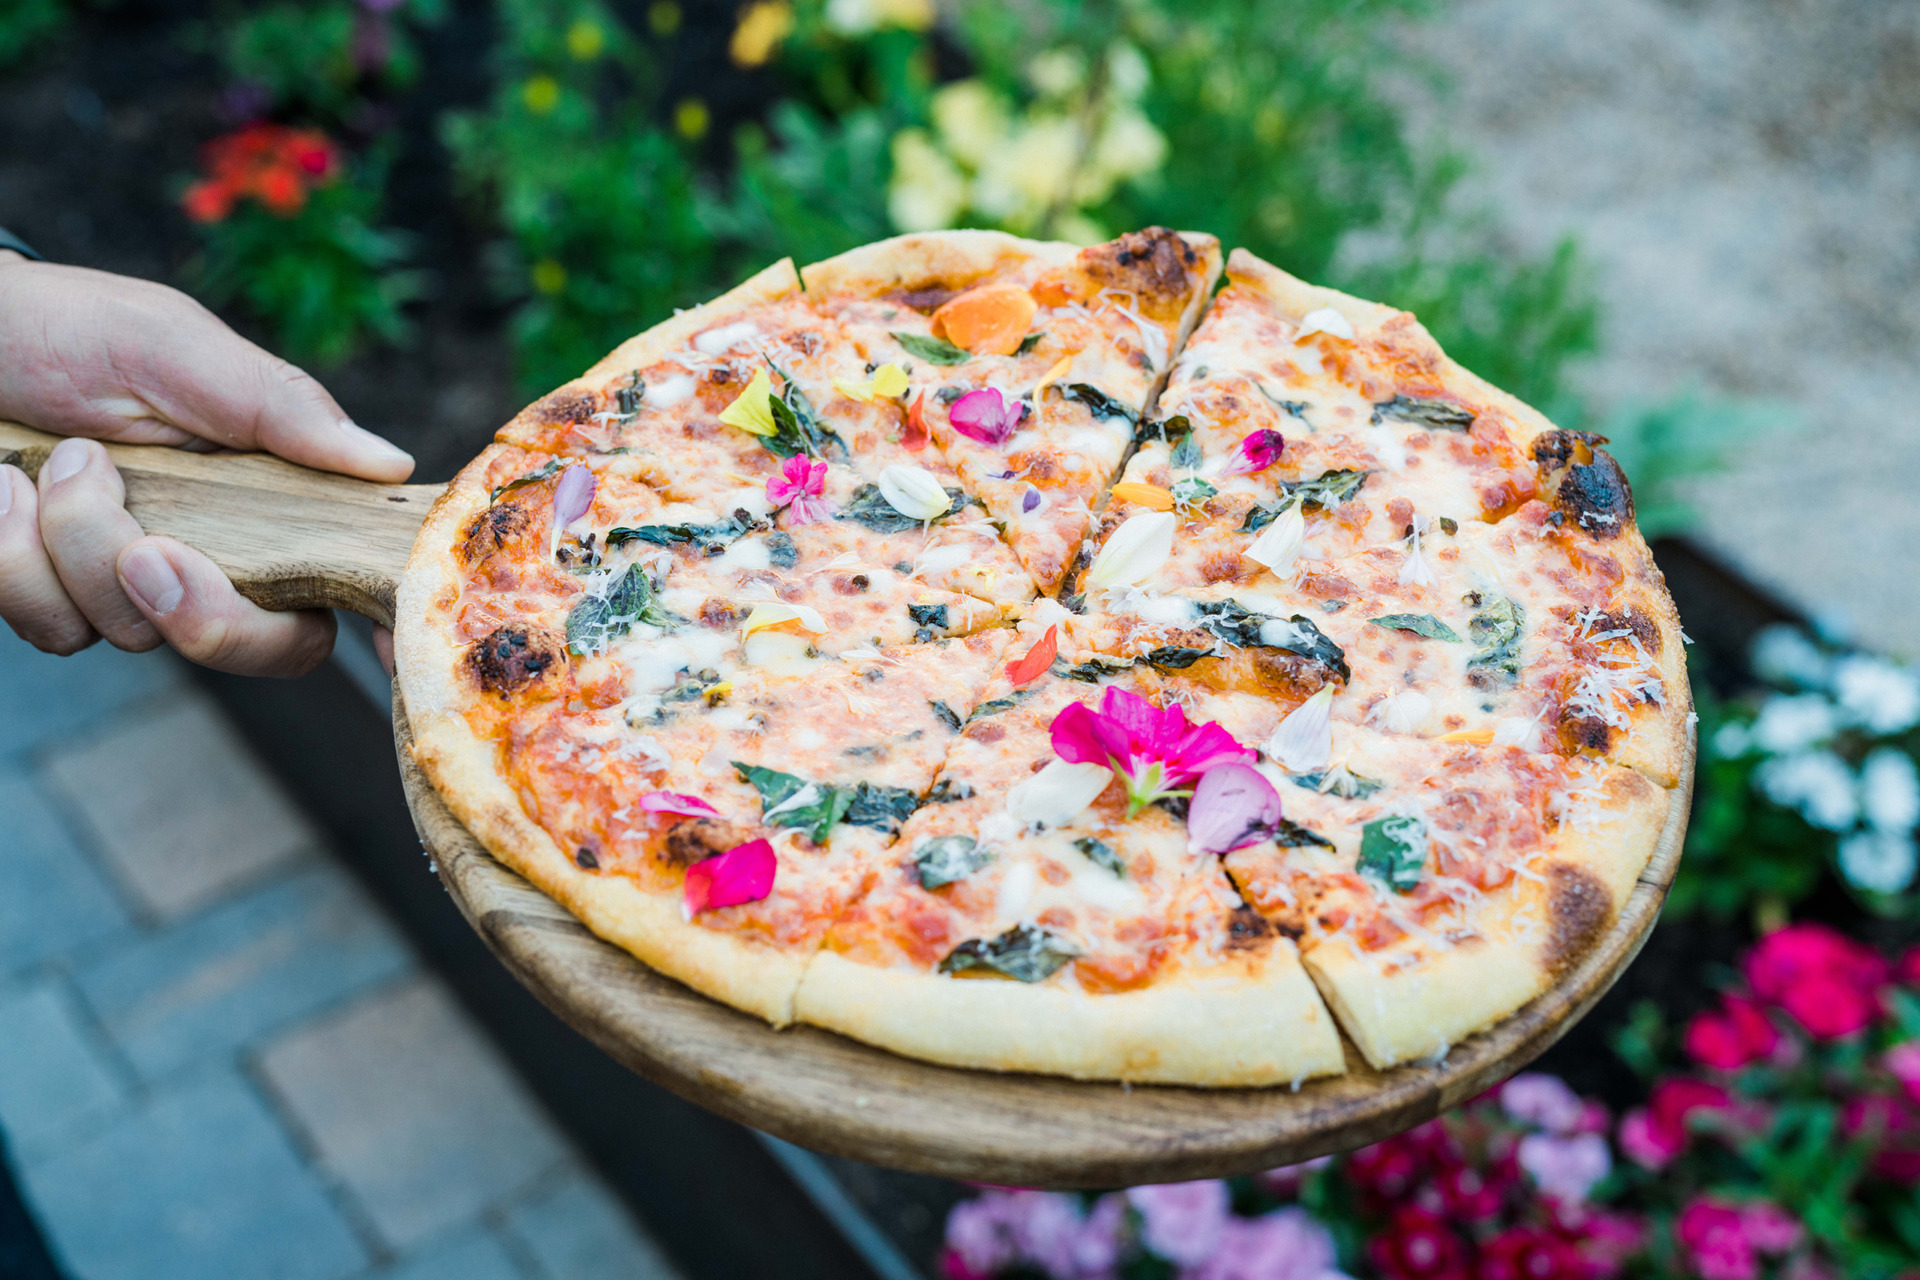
1153	749
1256	452
1903	1061
1183	1222
573	495
743	873
1233	806
1724	1241
797	486
987	416
674	802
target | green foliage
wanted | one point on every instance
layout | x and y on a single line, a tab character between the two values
320	57
1661	446
323	279
815	188
28	25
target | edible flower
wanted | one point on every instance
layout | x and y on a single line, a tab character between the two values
1279	544
1304	741
915	437
752	411
887	382
676	803
1058	793
1414	568
987	416
1403	712
797	486
1061	368
743	873
1141	494
775	612
1153	749
1324	320
1135	552
1257	451
1233	806
991	320
573	495
1038	658
913	492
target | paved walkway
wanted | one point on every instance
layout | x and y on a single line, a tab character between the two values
217	1058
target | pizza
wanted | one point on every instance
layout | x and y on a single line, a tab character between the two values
1039	658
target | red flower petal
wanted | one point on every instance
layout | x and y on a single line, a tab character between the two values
675	802
1038	658
915	436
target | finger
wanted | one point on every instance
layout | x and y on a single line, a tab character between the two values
190	602
383	647
32	600
84	526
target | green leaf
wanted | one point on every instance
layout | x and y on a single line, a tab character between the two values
948	859
1420	624
1024	953
1440	415
933	350
1323	492
1029	342
539	473
1191	490
1393	850
882	808
1186	454
870	507
1497	630
820	804
1100	853
598	620
1291	835
1338	782
666	535
1098	402
948	716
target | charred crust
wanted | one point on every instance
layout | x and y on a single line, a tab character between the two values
925	301
696	838
491	530
586	859
1555	449
1596	497
1248	930
1578	909
1155	265
1633	620
1581	734
567	407
511	659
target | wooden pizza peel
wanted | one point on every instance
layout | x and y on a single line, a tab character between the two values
291	538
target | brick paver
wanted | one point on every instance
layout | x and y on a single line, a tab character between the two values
55	1077
576	1230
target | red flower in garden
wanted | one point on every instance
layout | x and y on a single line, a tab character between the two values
1418	1245
1528	1253
1907	971
1733	1036
1656	1133
1474	1195
1895	1128
1725	1241
1390	1171
1829	983
271	163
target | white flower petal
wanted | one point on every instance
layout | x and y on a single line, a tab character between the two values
774	612
1058	793
914	492
1403	712
1281	542
1304	741
1324	320
1135	552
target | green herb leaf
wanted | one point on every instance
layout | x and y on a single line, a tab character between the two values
948	859
598	620
535	476
820	804
1029	342
666	535
1441	415
1238	625
1498	631
1291	835
1186	454
1171	429
1101	854
929	615
882	808
1023	953
1344	783
948	716
1095	670
1098	402
627	399
1420	624
1323	492
870	508
1191	490
1393	850
1175	657
933	350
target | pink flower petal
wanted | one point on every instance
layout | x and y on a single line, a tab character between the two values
1152	748
1256	452
1233	806
573	495
675	802
743	873
986	415
797	478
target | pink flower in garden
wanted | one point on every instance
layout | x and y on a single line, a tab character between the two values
797	486
987	416
1607	1240
1529	1253
674	802
1652	1136
1724	1241
1389	1171
1041	1229
1286	1244
1895	1128
1730	1038
743	873
1233	806
1903	1063
1418	1245
1469	1195
1153	749
1827	982
1565	1168
1182	1221
1256	452
1907	970
1541	1100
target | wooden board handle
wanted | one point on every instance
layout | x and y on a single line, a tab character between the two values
289	537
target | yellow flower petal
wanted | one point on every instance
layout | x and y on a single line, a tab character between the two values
888	381
752	412
1053	375
1479	737
776	613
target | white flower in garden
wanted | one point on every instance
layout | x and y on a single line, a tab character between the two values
1877	695
1030	173
1127	71
1057	72
1890	790
1783	654
972	121
1880	861
1817	783
928	191
1794	722
1128	146
1536	1098
1565	1168
858	17
1731	740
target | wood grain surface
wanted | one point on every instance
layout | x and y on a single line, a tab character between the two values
288	536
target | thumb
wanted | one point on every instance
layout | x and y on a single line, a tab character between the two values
290	414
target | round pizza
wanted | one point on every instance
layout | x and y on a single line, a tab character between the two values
1025	657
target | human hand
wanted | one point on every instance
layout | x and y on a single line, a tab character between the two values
99	357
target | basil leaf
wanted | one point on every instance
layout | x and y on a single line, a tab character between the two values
1292	408
1393	850
993	708
1420	624
1095	670
1171	429
1441	415
1498	632
627	399
598	620
948	859
1186	454
1346	784
817	812
1023	953
1289	834
882	808
1323	492
947	791
1177	657
1299	635
666	535
1100	853
933	350
535	476
870	508
929	615
1029	342
948	716
1098	402
781	551
1191	490
789	436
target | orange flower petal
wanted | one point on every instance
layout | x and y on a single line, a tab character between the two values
991	320
1151	496
1038	658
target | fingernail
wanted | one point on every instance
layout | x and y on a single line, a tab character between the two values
151	580
6	490
66	459
376	444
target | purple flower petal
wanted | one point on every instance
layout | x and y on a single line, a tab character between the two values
1233	806
1030	501
986	415
1256	452
573	495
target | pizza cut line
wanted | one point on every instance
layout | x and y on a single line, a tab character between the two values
1024	657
